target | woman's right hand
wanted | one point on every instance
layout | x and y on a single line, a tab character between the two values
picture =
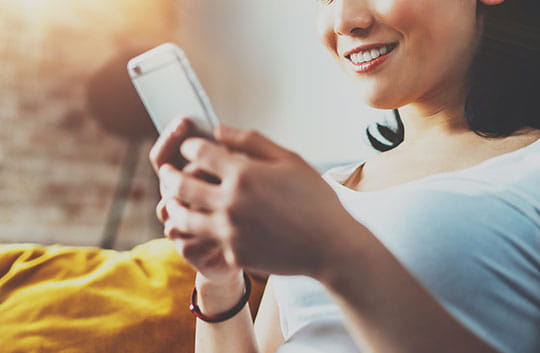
205	254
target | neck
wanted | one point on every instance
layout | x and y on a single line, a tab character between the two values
436	118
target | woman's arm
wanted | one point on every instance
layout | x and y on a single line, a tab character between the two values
267	322
273	213
222	284
386	308
236	334
233	335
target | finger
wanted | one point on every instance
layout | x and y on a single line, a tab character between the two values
250	142
165	149
197	193
161	211
183	220
208	156
171	231
193	170
199	252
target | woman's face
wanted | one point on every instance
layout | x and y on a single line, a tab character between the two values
401	51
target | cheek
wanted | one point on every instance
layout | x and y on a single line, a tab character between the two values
404	15
430	26
390	7
436	16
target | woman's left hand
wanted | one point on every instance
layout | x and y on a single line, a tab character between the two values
272	212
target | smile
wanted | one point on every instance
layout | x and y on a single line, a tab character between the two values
364	56
365	60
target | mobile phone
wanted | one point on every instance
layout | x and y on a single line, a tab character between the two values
169	88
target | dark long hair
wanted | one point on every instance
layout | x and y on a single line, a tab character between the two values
503	79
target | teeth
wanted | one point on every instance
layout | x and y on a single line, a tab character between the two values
369	55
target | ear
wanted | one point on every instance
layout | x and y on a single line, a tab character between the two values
492	2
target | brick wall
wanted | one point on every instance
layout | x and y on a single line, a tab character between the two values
58	166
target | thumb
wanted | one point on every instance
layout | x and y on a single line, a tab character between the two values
250	142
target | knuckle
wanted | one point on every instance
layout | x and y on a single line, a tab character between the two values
234	201
153	155
164	189
230	202
223	200
224	228
161	211
181	221
169	229
190	169
175	232
182	188
241	184
242	177
174	187
198	148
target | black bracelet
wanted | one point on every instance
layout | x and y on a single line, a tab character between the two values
225	315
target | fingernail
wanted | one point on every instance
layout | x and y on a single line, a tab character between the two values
179	130
164	170
187	148
183	127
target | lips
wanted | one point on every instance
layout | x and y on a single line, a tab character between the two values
368	58
366	54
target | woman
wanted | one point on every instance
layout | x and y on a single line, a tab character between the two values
432	246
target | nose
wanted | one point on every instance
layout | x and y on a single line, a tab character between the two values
352	16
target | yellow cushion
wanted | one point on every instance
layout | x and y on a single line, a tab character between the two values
75	300
62	299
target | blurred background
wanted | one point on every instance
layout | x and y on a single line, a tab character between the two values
74	138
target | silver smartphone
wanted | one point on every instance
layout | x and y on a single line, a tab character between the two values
169	88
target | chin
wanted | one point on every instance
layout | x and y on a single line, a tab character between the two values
378	97
380	101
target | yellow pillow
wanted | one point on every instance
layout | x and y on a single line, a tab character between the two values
62	299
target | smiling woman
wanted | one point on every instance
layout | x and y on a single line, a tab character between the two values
431	246
511	49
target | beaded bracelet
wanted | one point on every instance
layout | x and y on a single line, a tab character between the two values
225	315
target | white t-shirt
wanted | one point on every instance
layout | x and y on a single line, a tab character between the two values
471	237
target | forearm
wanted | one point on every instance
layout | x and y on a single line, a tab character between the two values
385	307
233	335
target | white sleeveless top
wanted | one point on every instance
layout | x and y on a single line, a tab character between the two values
471	237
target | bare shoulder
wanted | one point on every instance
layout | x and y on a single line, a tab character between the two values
408	163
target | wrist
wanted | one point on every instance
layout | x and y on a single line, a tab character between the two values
226	282
216	297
